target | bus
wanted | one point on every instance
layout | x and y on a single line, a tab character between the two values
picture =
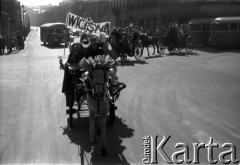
199	30
53	33
225	31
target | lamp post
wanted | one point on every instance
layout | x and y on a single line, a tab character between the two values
23	22
24	28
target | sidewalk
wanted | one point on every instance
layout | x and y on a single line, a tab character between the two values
17	51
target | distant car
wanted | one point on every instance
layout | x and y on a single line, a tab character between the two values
75	33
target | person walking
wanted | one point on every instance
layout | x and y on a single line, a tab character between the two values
8	44
2	45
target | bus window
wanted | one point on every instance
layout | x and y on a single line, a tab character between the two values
212	27
233	26
57	30
196	27
219	27
205	27
223	27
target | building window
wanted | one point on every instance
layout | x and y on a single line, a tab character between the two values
143	4
103	8
224	27
154	24
148	24
118	3
233	26
120	23
139	4
125	22
125	3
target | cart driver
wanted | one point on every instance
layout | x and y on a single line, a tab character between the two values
75	56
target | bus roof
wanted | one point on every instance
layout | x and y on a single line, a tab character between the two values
226	19
53	24
201	20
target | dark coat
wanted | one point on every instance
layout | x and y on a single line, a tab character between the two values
94	52
67	79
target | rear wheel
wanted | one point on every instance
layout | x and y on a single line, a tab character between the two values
137	53
188	47
161	49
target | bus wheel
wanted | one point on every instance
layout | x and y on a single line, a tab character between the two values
49	43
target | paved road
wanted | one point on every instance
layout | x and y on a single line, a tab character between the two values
190	98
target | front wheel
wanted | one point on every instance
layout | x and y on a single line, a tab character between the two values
49	42
137	53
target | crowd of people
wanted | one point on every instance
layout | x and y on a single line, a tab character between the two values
11	43
88	47
175	33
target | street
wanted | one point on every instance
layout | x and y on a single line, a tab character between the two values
188	97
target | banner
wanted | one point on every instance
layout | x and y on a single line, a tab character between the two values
87	25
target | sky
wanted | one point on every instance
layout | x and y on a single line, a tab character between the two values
39	2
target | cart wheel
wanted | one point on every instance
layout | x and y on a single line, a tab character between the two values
137	53
112	113
179	49
189	48
162	49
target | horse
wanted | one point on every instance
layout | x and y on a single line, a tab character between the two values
147	41
98	96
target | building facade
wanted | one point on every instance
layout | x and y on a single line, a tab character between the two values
98	10
152	14
11	17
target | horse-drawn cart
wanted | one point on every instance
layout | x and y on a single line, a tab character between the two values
80	86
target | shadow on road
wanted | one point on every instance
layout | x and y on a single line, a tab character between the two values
183	54
54	46
79	135
153	56
132	63
234	49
